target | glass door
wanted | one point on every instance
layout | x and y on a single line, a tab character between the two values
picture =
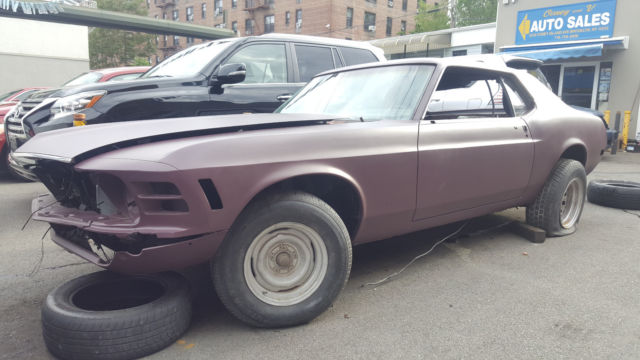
578	85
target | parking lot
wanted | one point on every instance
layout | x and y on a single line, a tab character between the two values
492	295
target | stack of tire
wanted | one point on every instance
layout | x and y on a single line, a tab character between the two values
109	316
615	193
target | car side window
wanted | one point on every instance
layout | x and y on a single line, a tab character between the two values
467	93
266	63
354	56
313	60
520	101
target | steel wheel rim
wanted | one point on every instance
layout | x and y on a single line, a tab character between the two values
571	203
285	264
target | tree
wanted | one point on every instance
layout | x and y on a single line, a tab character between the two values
431	18
472	12
111	47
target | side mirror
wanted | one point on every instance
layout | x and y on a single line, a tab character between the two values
229	74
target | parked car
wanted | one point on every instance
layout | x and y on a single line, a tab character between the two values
7	102
186	83
276	201
30	97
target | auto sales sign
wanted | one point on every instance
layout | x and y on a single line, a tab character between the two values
589	20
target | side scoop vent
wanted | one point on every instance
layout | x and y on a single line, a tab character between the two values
211	193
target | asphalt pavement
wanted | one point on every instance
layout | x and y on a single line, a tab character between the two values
492	295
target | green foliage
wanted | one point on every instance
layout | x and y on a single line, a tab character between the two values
472	12
431	18
111	47
141	61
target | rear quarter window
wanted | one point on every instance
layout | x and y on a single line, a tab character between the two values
353	56
313	60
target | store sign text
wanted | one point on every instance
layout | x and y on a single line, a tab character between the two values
590	20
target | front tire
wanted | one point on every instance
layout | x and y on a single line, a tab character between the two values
284	261
559	204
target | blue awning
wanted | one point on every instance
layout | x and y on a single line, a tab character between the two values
566	50
561	53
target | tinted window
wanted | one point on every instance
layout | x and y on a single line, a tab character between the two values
357	56
25	95
313	60
266	63
465	93
388	92
189	61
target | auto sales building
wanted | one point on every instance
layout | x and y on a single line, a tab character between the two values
591	50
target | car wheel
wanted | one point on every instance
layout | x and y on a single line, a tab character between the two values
283	262
558	207
105	315
615	193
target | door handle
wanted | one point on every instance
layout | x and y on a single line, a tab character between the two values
283	97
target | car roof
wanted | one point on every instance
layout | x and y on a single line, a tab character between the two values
316	39
448	61
123	70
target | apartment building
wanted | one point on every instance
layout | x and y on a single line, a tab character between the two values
345	19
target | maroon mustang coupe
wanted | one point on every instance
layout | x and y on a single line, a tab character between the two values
276	201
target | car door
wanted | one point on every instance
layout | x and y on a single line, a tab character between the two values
268	83
474	147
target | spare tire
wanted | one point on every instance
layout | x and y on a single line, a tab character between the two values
105	315
615	193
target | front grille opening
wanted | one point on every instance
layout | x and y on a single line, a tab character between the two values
177	205
211	193
163	188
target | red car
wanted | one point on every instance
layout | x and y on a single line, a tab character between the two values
7	102
11	99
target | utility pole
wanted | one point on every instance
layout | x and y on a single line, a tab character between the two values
453	13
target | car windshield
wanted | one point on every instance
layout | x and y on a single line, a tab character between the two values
388	92
189	61
84	79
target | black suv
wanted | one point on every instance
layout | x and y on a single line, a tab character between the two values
237	75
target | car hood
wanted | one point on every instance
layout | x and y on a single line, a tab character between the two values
128	85
75	144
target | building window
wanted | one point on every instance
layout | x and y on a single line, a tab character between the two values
248	26
148	5
234	4
156	17
164	16
164	41
287	18
298	1
157	40
189	40
157	59
390	3
403	26
204	10
176	15
349	17
190	14
234	27
372	1
298	20
218	7
389	25
269	23
176	40
369	22
459	52
404	5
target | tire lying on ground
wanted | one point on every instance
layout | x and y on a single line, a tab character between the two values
615	193
559	204
105	315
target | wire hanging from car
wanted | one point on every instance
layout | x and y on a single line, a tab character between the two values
384	280
31	215
36	267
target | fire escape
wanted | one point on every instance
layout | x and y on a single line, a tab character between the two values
167	46
253	7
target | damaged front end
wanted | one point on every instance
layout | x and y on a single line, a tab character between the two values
122	221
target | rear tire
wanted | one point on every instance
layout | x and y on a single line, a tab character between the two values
284	261
559	204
